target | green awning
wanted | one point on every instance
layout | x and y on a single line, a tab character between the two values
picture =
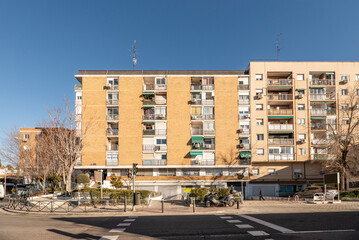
317	117
280	116
329	73
208	137
148	93
148	106
148	121
279	87
197	140
280	131
317	86
245	154
195	153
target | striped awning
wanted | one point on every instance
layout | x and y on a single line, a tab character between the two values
245	154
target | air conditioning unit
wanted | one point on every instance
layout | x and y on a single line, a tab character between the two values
241	145
259	95
106	87
344	81
298	175
193	101
300	96
239	130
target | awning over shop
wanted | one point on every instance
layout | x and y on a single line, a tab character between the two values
197	140
195	153
317	117
245	154
280	116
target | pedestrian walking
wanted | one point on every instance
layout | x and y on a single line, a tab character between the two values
261	194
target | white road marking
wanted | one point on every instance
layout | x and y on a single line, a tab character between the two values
244	226
326	231
118	230
234	221
257	233
129	220
267	224
123	224
226	217
109	237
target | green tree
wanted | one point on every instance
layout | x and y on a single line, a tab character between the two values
83	178
116	182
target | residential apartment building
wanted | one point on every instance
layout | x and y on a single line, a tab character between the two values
266	127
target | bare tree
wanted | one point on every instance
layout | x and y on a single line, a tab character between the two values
343	142
10	147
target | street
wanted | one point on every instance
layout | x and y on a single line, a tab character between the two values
322	225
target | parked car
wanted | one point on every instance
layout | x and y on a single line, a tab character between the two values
310	191
2	192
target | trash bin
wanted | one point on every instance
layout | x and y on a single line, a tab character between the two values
137	198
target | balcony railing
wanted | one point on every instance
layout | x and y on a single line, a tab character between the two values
203	117
280	112
148	87
161	131
280	156
161	86
318	96
322	82
246	146
278	141
207	87
200	131
204	147
280	126
148	147
320	156
280	97
155	162
243	87
112	132
112	117
202	87
112	148
323	126
245	161
280	81
78	87
149	132
319	141
323	111
160	147
154	117
111	87
243	101
202	162
112	102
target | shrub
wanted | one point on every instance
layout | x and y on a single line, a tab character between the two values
144	193
83	178
221	192
116	182
350	194
199	193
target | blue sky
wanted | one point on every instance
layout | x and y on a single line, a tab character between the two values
44	43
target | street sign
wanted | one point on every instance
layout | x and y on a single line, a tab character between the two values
98	176
332	178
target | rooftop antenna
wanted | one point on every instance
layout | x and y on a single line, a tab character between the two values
277	46
134	60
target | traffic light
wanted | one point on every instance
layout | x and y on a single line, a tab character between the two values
129	174
134	168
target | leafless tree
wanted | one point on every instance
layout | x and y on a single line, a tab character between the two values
10	147
343	143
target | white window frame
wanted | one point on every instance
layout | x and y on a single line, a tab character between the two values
260	151
259	107
255	171
344	92
260	122
259	77
301	121
300	77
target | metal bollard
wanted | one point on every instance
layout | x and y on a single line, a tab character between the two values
125	205
163	202
52	208
237	203
194	204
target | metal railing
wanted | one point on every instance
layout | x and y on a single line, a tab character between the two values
280	96
201	87
204	147
243	87
278	141
246	146
319	141
161	87
280	81
148	147
155	132
319	156
148	87
112	87
78	87
280	126
160	147
318	96
243	101
202	162
280	156
112	102
322	82
203	117
150	102
280	112
149	132
154	117
112	117
154	162
319	111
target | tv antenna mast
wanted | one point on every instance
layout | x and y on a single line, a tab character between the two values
134	59
277	46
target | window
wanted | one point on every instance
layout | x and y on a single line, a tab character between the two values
271	171
260	137
301	121
259	122
300	77
26	136
259	106
302	151
160	80
343	77
260	151
213	172
344	106
301	107
357	77
301	136
344	91
259	91
255	171
259	76
345	121
161	141
190	172
167	172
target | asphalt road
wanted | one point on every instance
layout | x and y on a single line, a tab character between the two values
334	225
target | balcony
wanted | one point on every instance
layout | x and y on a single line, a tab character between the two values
243	101
244	131
203	117
202	162
323	126
161	87
320	111
78	87
148	147
279	141
317	156
280	126
318	96
149	132
149	102
112	102
321	141
244	147
278	82
280	112
112	132
111	158
148	87
203	146
329	82
154	117
161	148
245	161
202	87
112	117
202	101
280	97
243	87
281	156
111	87
155	162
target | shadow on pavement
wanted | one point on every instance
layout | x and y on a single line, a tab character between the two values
74	236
